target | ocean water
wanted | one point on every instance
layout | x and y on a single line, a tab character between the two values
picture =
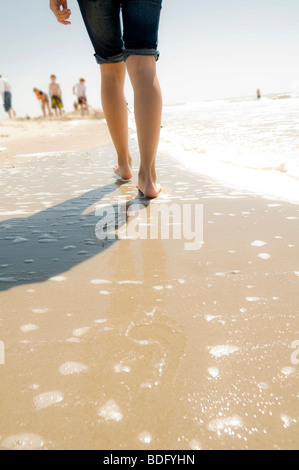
245	143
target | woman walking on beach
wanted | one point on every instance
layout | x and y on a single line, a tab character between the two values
135	50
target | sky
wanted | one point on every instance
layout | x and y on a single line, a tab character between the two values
210	49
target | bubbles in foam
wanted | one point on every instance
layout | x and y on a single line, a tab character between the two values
287	421
81	331
225	424
145	437
23	442
288	371
58	278
28	328
71	368
40	311
223	350
110	411
194	444
100	281
213	371
118	368
264	256
45	400
258	243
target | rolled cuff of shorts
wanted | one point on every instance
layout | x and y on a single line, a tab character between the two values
109	60
148	52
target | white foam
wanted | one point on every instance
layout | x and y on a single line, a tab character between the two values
110	411
118	368
71	368
194	444
225	424
245	156
253	299
145	437
258	243
287	420
264	256
17	212
263	386
287	371
23	442
100	281
130	282
20	240
222	350
58	278
210	318
213	371
7	279
81	331
28	328
40	311
45	400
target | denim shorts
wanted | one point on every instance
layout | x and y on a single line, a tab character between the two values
114	40
7	101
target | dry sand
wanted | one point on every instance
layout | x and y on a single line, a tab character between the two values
140	344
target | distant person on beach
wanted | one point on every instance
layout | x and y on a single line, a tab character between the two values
80	91
258	94
5	91
136	52
56	96
44	99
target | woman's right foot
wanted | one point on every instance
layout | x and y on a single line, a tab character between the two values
148	187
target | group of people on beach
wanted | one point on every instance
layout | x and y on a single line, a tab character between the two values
55	95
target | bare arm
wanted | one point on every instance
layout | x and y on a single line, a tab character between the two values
61	11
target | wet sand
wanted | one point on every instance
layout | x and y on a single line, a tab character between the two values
140	344
34	136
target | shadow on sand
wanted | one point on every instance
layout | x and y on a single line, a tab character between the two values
44	245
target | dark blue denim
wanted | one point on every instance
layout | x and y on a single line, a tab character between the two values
112	42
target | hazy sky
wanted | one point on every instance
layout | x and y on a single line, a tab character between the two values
209	49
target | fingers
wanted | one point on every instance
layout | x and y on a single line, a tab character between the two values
61	15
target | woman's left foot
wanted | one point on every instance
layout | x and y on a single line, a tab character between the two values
124	171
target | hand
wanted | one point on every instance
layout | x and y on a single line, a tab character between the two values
61	11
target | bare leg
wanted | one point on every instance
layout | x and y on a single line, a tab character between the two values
49	109
44	109
148	111
114	106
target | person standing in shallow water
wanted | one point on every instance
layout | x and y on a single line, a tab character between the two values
134	50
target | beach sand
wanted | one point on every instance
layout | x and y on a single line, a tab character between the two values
140	344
